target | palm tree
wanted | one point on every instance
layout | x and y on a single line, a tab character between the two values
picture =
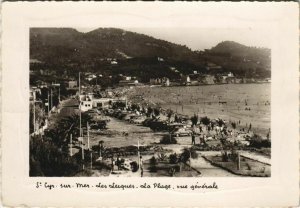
100	147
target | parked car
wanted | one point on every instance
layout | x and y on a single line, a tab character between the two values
129	116
137	120
156	125
173	126
182	132
147	121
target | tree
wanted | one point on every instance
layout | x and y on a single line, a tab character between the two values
187	154
153	163
101	148
205	120
156	112
149	111
39	115
48	159
194	120
173	158
220	122
169	114
60	134
176	118
233	124
168	139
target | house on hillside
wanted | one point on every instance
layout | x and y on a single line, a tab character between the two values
126	83
165	81
186	80
212	66
160	59
113	62
155	81
90	77
207	79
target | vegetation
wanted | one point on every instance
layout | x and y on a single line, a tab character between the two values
205	120
173	158
49	154
136	55
194	120
39	116
168	139
187	154
258	142
153	164
48	159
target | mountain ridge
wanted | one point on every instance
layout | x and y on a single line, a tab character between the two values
67	47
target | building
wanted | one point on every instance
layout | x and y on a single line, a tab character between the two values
126	83
160	59
102	102
212	66
155	81
86	105
230	74
91	102
207	79
160	81
186	80
166	82
72	84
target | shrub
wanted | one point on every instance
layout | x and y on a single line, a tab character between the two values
153	163
168	139
173	158
205	120
225	157
258	142
134	166
194	120
187	154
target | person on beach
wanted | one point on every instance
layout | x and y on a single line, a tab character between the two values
193	138
118	163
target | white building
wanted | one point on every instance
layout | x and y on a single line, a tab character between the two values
230	74
89	104
86	105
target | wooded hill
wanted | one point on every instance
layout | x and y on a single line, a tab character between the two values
138	55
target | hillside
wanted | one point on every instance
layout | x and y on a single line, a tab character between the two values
68	45
137	54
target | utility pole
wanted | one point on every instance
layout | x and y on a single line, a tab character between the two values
138	146
91	159
48	103
88	134
51	98
80	130
71	151
59	94
80	133
34	112
82	153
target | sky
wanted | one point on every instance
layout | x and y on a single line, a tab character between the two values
200	39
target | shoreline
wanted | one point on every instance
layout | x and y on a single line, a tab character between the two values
259	117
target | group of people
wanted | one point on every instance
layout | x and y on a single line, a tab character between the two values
202	138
